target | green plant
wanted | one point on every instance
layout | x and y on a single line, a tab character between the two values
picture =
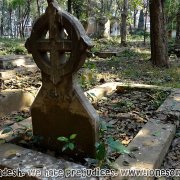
19	50
9	65
124	105
90	65
104	145
18	118
88	76
68	142
158	98
12	46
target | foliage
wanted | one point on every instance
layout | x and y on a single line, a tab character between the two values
12	46
125	106
68	142
158	98
88	77
18	118
105	145
171	8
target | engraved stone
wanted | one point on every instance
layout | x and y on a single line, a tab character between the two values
60	108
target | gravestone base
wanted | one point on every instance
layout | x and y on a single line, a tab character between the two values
55	115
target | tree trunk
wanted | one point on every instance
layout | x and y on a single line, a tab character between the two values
10	22
135	13
178	28
123	22
2	19
38	8
159	52
70	6
146	16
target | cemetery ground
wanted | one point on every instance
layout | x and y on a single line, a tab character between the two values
123	113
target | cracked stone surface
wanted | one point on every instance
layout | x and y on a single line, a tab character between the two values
12	156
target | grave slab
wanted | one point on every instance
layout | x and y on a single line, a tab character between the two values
14	61
14	100
18	126
106	54
172	103
28	161
108	88
8	74
153	142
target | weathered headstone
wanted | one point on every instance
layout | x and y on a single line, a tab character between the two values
91	28
103	27
60	108
115	27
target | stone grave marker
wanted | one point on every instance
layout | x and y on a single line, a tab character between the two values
91	28
61	108
103	27
115	27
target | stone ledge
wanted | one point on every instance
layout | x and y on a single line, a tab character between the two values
171	104
8	74
14	61
108	88
103	54
153	142
14	157
18	126
14	100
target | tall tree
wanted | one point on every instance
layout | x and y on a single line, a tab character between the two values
159	52
178	27
146	6
2	17
134	6
69	4
38	8
124	15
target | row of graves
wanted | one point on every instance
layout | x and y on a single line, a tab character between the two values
102	27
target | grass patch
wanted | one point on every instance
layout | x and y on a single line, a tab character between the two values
142	71
12	46
133	64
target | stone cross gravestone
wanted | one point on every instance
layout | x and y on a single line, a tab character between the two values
61	108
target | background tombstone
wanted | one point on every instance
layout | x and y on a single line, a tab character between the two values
60	108
103	27
91	28
85	24
115	27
